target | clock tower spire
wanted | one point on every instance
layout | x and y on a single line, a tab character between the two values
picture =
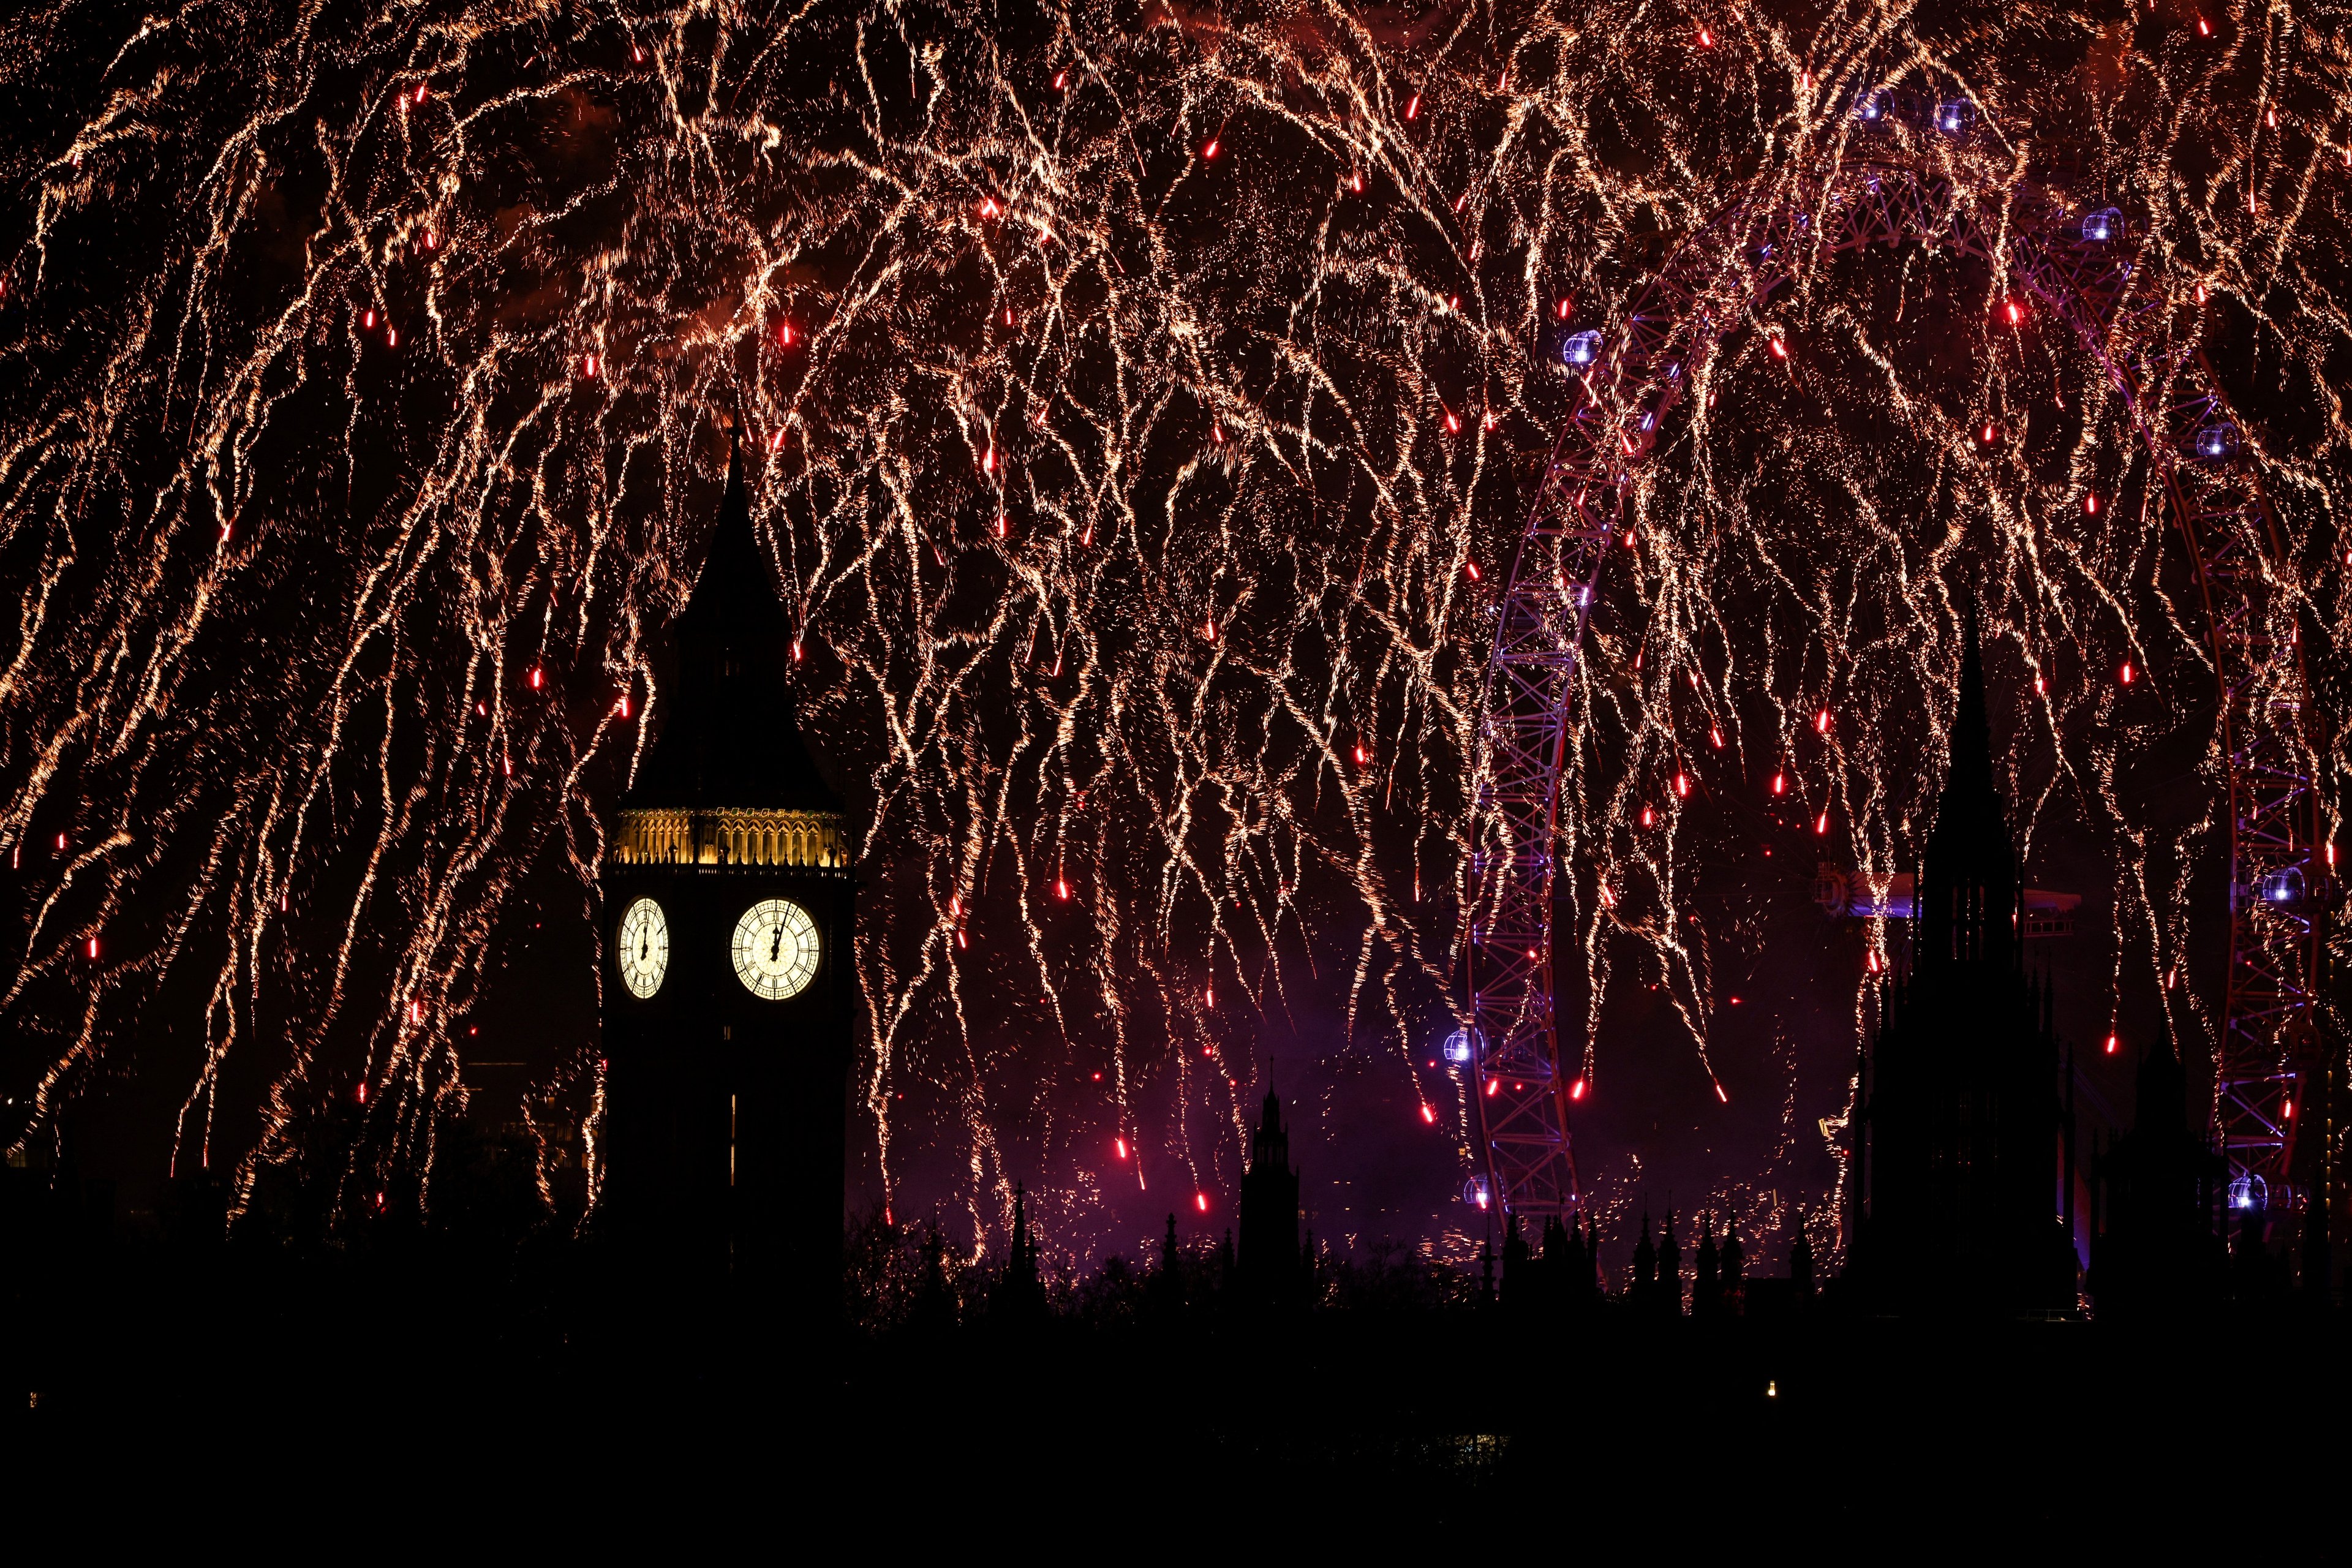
730	914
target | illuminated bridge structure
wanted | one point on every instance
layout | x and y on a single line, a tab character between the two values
1913	170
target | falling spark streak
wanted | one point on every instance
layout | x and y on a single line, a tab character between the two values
1207	391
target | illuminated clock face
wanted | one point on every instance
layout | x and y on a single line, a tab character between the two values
775	949
644	945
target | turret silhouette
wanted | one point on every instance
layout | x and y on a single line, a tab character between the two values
1267	1264
1019	1296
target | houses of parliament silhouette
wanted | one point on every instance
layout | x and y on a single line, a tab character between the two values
729	1015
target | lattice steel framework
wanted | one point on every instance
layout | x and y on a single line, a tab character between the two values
1899	181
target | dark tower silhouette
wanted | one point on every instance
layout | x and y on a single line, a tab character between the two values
1165	1290
1519	1288
1669	1300
1734	1265
2158	1251
728	915
1266	1267
1705	1280
1020	1294
1963	1116
1644	1286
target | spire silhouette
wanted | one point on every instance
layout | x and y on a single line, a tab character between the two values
725	731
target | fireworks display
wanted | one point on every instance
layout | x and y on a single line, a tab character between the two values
1144	403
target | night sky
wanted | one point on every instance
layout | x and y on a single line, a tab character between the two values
1142	404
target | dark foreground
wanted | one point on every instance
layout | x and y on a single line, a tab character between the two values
576	1398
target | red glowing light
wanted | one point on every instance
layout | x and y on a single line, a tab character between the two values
2015	313
784	335
1209	996
1121	1143
2286	1110
1705	39
1061	80
1004	525
1821	722
1735	1000
589	366
962	940
988	207
93	947
391	337
2091	505
2128	672
1645	817
1493	1086
1360	758
1715	736
1200	1202
1721	1096
367	319
1473	571
537	675
624	704
1821	824
1413	107
2203	26
1682	785
1780	784
1211	149
1453	423
1988	435
2111	1045
362	1092
1576	1089
1779	349
1428	1116
1062	891
1564	306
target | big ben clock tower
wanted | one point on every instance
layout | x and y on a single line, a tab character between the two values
730	983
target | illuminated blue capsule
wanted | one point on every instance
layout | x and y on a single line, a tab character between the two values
1459	1048
1584	348
1870	106
2216	441
2101	226
1954	116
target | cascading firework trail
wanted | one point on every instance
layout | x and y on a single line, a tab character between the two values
1144	399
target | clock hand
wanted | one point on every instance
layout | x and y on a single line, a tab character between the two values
776	943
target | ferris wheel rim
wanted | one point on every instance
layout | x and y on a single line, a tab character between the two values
1525	1150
